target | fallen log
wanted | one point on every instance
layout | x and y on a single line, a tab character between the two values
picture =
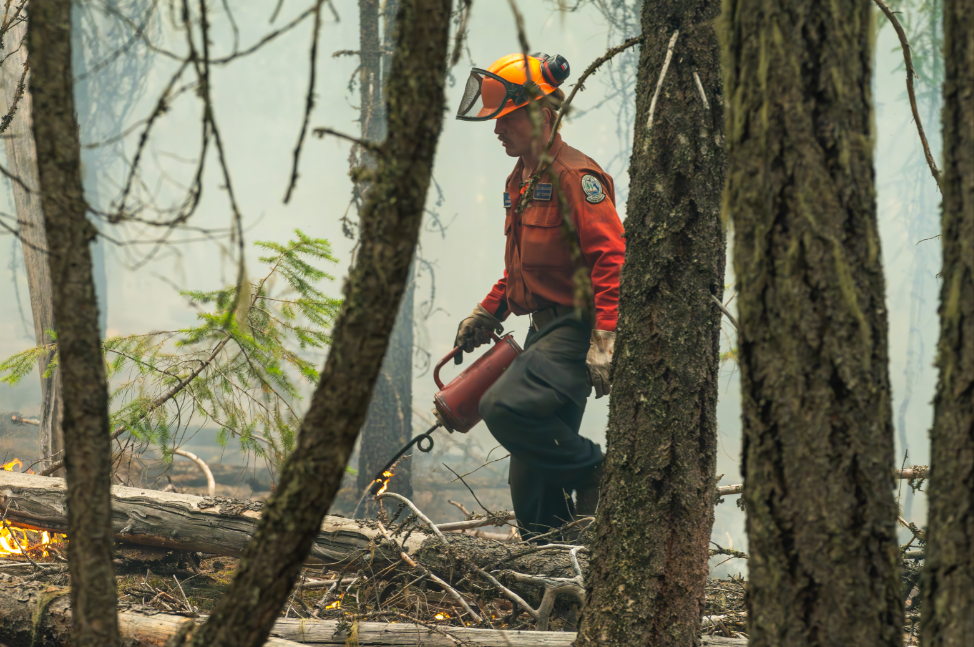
39	614
223	527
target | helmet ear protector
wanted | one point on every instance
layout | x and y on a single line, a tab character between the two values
554	69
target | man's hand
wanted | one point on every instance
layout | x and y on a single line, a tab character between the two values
599	360
475	331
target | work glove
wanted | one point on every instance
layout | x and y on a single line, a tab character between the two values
599	361
475	331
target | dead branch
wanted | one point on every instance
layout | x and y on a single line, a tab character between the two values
915	472
210	483
309	101
910	73
727	313
446	587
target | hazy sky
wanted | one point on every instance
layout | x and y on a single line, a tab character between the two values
259	102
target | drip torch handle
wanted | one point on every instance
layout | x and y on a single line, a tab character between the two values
451	355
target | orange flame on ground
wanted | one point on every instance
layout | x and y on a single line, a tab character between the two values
9	467
442	616
337	604
17	541
385	483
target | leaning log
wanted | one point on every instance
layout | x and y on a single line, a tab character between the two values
39	614
223	527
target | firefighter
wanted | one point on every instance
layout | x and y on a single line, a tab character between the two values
535	408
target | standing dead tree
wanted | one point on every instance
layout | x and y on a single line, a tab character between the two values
389	230
388	424
817	420
948	578
16	106
87	444
649	562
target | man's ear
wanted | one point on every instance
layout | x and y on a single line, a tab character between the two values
549	116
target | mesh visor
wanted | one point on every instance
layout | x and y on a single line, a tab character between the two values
486	95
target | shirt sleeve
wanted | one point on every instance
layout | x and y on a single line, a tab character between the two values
496	301
600	234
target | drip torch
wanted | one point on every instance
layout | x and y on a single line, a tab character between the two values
456	405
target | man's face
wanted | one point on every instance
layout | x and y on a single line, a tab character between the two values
514	131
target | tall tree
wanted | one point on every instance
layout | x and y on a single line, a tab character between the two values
16	104
87	451
390	223
817	421
649	563
388	425
948	578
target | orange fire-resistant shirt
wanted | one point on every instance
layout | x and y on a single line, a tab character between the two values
538	269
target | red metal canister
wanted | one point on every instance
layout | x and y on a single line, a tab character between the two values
458	403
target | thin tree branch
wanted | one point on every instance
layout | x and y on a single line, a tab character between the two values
910	73
309	101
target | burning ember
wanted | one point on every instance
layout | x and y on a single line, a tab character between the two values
337	604
19	541
384	480
442	616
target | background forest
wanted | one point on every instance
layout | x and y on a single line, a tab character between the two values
259	102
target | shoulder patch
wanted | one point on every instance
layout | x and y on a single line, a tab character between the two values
592	189
507	200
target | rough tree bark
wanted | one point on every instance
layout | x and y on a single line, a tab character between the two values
391	220
87	451
654	520
818	437
948	576
22	163
388	424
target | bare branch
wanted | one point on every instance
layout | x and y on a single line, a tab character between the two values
910	73
309	101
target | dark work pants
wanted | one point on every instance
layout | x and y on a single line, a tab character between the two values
534	410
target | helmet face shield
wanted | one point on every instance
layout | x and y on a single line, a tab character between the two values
486	95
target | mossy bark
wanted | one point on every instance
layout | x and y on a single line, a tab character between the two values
649	563
87	443
390	223
818	436
948	577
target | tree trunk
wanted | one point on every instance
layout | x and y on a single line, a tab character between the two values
656	513
87	454
388	425
818	436
947	619
22	163
391	221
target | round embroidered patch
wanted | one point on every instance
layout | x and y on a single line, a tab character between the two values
592	189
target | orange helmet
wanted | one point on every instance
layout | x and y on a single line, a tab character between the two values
501	88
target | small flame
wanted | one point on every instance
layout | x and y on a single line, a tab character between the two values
337	604
442	616
385	482
17	541
9	467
